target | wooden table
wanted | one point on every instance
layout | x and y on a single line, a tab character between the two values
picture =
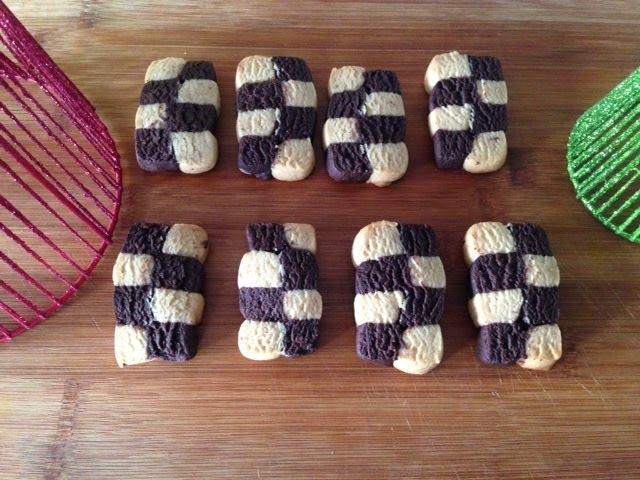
68	411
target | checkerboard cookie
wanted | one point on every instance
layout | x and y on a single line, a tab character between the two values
158	278
514	286
400	285
279	298
276	103
467	112
365	127
175	121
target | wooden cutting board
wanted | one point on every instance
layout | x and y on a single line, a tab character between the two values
67	411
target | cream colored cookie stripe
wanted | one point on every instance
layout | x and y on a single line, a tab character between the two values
514	282
158	279
179	107
399	301
276	102
467	112
365	127
278	286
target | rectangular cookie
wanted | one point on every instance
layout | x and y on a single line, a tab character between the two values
467	112
365	127
179	108
400	285
158	278
276	103
514	286
279	298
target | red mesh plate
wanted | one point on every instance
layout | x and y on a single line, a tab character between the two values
60	183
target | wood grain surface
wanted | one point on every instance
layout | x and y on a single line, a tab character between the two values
67	411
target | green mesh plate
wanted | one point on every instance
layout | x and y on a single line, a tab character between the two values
604	159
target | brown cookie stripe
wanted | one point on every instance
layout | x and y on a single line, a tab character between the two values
158	279
278	282
365	127
467	112
276	103
400	284
514	288
175	121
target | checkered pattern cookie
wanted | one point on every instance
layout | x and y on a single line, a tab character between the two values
278	282
467	112
365	127
179	106
158	279
276	103
514	287
400	283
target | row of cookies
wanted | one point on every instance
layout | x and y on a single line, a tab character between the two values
364	131
399	294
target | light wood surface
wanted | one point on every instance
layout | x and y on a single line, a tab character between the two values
67	411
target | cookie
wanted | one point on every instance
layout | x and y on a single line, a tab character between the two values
179	107
364	132
400	284
276	103
158	278
514	286
279	298
467	112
